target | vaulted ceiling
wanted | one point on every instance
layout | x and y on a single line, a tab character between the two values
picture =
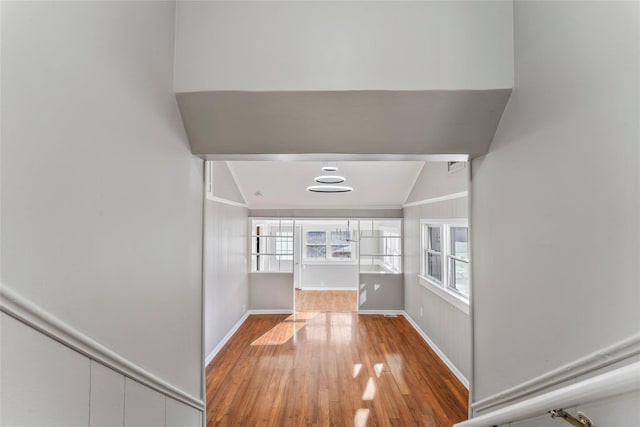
276	184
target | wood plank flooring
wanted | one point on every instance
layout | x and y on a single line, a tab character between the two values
326	300
331	369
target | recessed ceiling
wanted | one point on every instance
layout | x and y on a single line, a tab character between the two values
283	185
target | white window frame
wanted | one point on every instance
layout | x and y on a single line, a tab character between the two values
443	287
451	258
284	239
328	243
271	239
426	250
392	251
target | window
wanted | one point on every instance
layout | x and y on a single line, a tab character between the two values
284	246
341	244
328	245
381	246
391	243
316	245
271	246
459	260
445	255
433	252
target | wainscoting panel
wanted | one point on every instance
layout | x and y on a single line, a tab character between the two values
180	415
43	382
107	397
143	406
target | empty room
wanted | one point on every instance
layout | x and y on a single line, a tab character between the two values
320	213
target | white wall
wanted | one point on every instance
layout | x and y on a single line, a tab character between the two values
223	183
225	261
446	325
556	201
271	291
329	276
258	46
101	197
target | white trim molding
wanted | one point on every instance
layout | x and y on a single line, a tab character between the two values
20	308
328	288
458	302
226	338
437	350
226	201
622	350
613	383
437	199
382	312
270	311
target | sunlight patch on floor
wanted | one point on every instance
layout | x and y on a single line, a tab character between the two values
378	367
356	369
279	334
369	390
302	315
360	420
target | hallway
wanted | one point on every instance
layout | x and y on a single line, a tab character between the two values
330	368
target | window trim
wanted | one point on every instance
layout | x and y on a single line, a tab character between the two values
443	288
426	250
328	259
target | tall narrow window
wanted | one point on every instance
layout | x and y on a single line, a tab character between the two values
433	252
284	246
459	260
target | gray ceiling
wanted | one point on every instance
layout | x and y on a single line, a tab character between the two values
343	122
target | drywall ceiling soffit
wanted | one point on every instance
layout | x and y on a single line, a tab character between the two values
348	122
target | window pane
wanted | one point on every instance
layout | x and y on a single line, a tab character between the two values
460	241
340	237
318	251
434	266
316	237
460	276
343	252
270	263
284	246
435	241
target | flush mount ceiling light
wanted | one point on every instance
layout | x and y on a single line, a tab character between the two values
329	169
329	179
329	189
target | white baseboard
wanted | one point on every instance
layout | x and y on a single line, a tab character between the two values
383	312
226	339
270	311
437	350
328	288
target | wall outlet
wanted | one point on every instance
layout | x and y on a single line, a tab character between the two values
420	311
244	307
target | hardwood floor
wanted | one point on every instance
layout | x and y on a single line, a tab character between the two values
331	369
326	300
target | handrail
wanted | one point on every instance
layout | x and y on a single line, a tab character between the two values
615	353
619	381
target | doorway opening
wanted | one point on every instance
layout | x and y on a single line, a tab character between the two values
326	265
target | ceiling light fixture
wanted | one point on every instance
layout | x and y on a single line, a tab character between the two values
329	169
329	189
329	179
